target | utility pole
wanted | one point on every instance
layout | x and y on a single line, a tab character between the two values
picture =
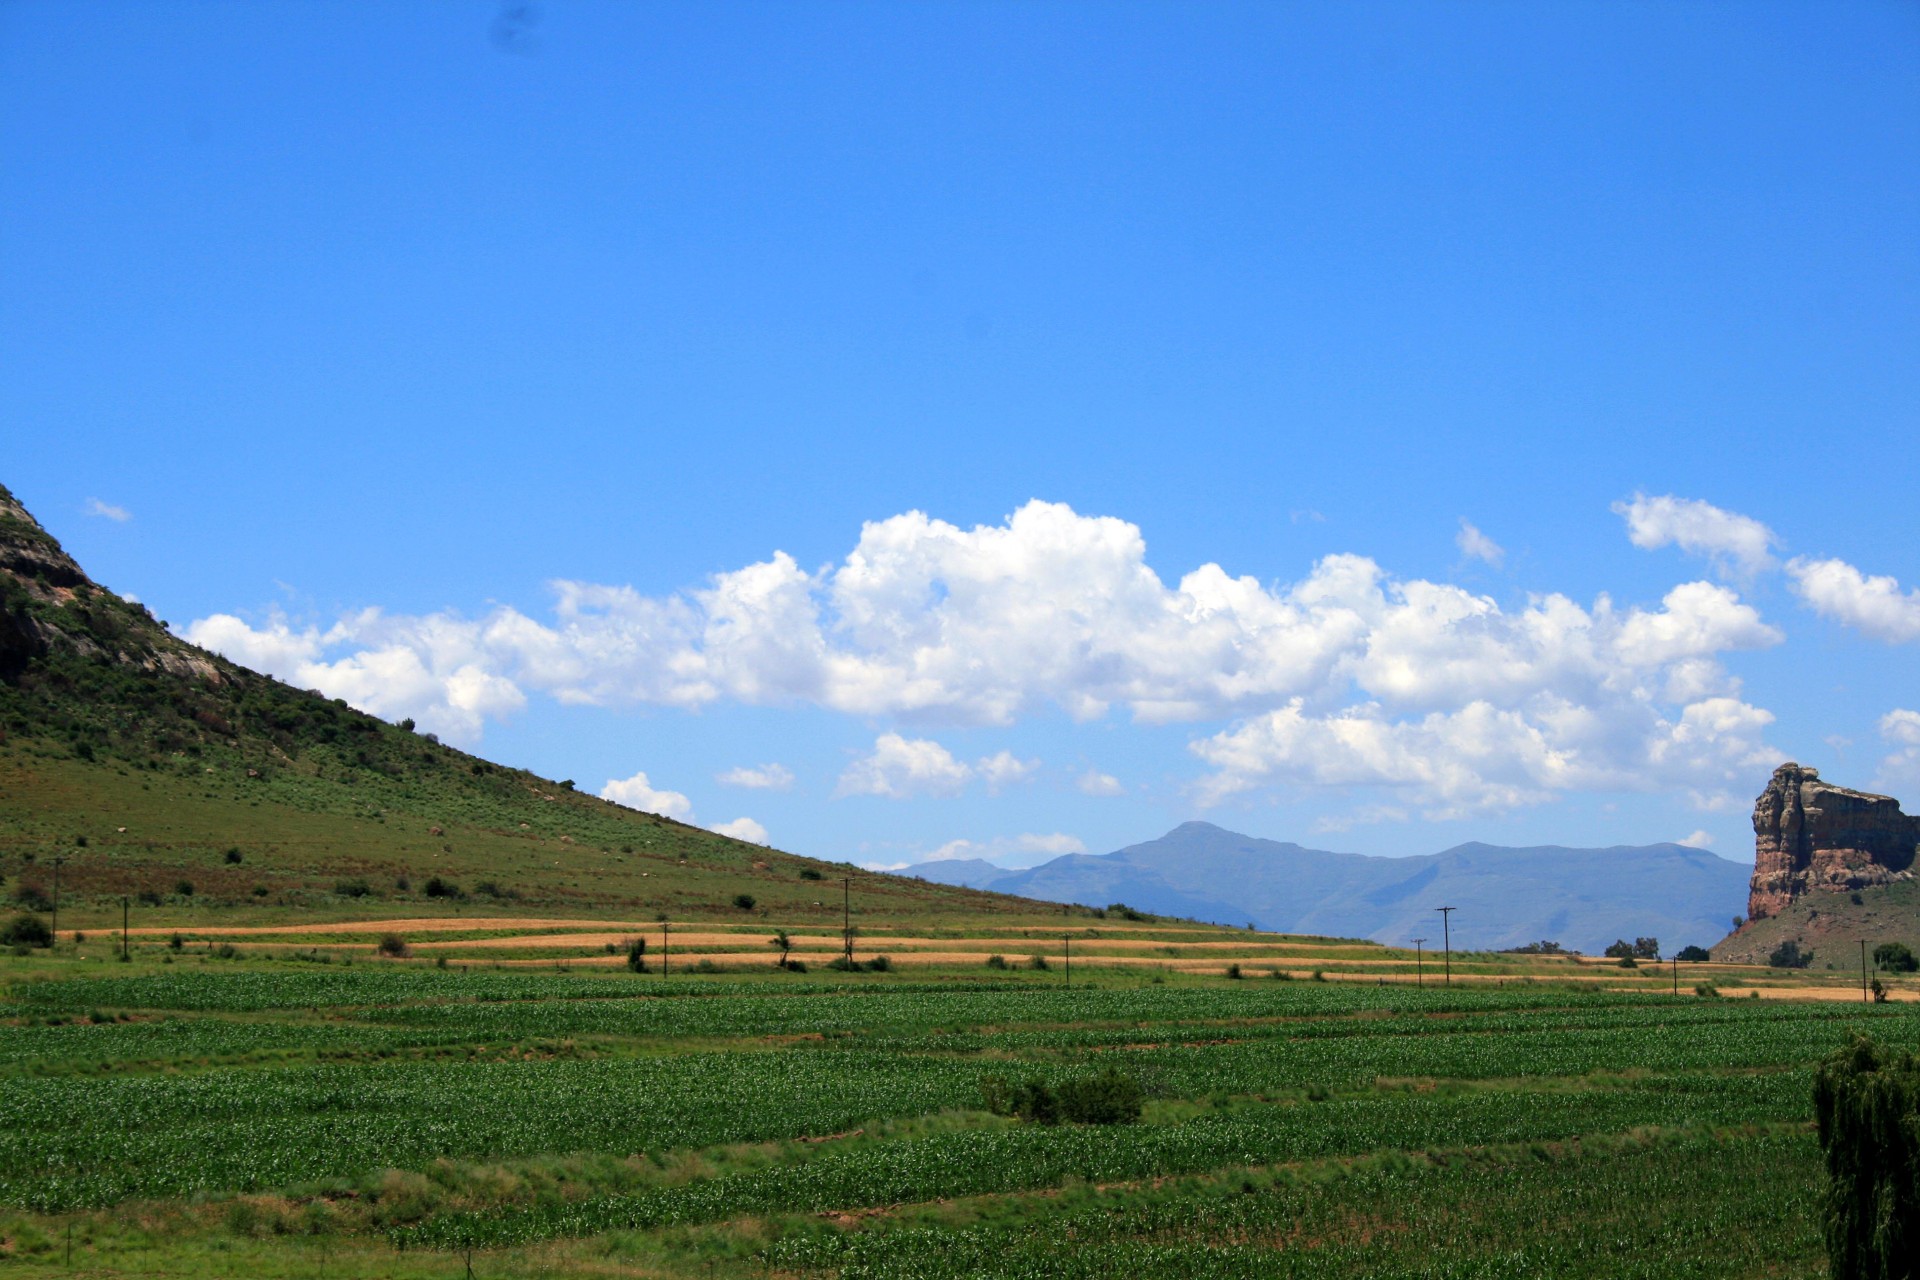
1068	939
846	916
1865	995
56	899
1419	969
125	903
1446	937
665	930
1676	973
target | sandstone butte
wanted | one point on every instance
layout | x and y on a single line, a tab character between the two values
1811	835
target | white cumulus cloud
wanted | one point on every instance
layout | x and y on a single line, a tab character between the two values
107	511
1730	540
1026	850
638	792
1900	771
1474	543
742	829
766	777
1876	605
1095	783
1444	695
1700	839
902	767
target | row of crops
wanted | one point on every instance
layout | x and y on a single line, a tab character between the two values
192	1083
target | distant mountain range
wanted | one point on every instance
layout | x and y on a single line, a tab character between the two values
1580	898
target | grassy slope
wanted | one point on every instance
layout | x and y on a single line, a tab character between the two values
1833	925
107	721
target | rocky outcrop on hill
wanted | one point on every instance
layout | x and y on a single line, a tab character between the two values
1811	835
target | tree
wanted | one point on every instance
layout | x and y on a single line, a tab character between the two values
744	901
1646	948
1895	957
1788	955
26	930
1866	1103
1619	949
783	944
637	954
1694	955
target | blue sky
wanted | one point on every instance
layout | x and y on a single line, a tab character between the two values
1023	426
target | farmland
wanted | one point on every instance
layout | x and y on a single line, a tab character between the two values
286	1107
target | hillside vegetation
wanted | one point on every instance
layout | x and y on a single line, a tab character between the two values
160	771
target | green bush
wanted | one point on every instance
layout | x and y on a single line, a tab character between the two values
233	857
637	954
808	873
1866	1103
880	964
1694	955
1038	962
32	897
355	888
184	888
1788	955
997	962
26	930
744	901
439	888
1895	957
1233	971
393	946
1110	1097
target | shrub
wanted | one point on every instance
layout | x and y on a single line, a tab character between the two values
1879	991
355	888
184	888
26	930
744	901
1694	955
260	891
796	966
808	873
1038	962
233	857
1279	975
707	966
227	951
841	964
1895	957
176	942
880	964
997	962
439	888
1124	911
33	898
1788	955
1628	962
149	897
402	885
1706	989
392	944
1233	971
1111	1097
637	954
1866	1101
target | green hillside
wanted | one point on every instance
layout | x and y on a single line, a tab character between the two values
157	770
1832	926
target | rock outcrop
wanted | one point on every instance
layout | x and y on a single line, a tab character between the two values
1811	835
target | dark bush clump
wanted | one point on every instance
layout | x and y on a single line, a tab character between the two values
1788	955
355	888
394	946
1895	957
1124	911
149	897
637	954
1111	1097
1866	1100
33	898
808	873
1233	971
744	901
26	930
176	942
1038	962
880	964
438	888
233	857
1694	955
997	962
184	888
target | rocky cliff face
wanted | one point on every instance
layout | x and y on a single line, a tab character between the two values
1811	835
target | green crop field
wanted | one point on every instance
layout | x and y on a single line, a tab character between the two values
259	1117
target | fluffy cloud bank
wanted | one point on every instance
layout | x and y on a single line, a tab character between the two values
1345	676
1730	540
1876	605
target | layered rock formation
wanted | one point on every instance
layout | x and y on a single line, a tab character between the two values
1811	835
